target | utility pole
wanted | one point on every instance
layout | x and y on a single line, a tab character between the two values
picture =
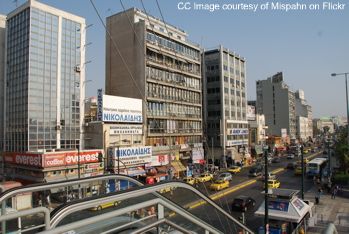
212	155
302	184
266	178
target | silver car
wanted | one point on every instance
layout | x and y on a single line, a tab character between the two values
225	176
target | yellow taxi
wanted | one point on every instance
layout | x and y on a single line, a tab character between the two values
273	184
204	177
189	180
219	185
305	151
234	169
105	205
305	161
298	170
166	190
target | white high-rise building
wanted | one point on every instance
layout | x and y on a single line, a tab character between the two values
225	103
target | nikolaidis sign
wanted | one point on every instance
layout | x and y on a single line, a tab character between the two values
54	159
119	109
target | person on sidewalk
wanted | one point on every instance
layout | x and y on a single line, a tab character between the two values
334	192
318	195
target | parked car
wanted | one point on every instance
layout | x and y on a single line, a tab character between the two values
234	169
290	156
204	177
219	185
243	203
225	176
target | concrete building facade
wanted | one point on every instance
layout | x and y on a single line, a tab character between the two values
277	102
45	79
304	112
225	103
155	62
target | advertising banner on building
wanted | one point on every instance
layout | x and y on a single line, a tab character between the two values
251	113
159	160
129	156
237	142
197	155
119	109
126	129
54	159
237	131
283	132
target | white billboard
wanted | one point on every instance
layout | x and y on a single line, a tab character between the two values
130	156
283	132
251	112
237	131
119	109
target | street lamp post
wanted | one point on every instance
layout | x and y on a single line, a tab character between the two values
302	159
346	95
266	177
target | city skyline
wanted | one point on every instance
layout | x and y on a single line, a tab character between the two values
298	43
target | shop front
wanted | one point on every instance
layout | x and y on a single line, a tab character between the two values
287	213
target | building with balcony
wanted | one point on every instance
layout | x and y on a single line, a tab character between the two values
44	78
155	62
277	103
225	103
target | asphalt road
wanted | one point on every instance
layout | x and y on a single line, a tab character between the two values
189	200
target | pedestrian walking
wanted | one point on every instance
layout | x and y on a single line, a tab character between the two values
334	192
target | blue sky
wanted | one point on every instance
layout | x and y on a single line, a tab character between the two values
306	45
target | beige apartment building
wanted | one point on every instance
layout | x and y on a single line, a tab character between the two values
148	59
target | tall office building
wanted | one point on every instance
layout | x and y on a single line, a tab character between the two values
44	78
225	102
277	102
159	65
2	77
304	117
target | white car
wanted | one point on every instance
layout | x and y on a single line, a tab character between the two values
225	176
290	156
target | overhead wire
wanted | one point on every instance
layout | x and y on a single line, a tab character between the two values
163	20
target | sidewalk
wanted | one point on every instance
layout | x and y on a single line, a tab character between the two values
329	210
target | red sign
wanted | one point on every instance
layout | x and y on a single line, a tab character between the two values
53	159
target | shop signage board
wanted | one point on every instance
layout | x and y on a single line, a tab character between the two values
56	159
119	109
159	160
237	131
251	113
237	142
129	155
197	155
126	129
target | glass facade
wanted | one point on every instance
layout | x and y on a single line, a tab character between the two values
70	84
17	79
42	95
32	81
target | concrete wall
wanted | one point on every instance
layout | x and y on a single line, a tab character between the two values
121	78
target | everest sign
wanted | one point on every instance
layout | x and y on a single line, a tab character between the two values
53	159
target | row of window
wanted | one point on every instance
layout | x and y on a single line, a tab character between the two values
174	78
173	45
176	110
175	140
173	126
173	63
174	94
